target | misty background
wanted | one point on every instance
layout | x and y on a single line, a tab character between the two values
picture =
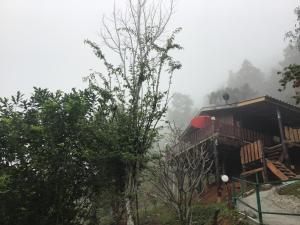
230	46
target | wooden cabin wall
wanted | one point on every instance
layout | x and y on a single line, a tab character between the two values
225	118
257	124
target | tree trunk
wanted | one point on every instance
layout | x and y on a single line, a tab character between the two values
118	210
129	194
129	212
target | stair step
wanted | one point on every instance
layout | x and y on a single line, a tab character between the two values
289	173
273	150
273	153
286	171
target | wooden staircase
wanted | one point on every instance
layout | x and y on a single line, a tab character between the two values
255	158
273	153
280	170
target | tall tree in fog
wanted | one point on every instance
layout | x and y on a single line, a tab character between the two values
139	38
181	110
291	56
245	83
235	95
247	74
290	75
272	84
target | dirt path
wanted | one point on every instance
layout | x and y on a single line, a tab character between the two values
271	201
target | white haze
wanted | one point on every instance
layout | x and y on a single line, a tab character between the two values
41	41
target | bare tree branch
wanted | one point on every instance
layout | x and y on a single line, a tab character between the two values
177	177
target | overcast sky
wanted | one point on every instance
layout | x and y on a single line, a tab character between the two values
41	41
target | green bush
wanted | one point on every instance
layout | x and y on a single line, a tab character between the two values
291	189
203	214
159	215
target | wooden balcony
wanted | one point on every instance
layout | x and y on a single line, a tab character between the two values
223	132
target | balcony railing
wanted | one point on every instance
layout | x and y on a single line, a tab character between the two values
243	134
221	129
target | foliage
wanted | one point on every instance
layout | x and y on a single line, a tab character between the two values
247	74
159	215
138	38
291	55
291	73
181	110
203	214
235	95
179	174
246	83
293	35
291	189
57	152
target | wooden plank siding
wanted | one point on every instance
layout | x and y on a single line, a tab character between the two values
251	152
244	134
252	159
292	134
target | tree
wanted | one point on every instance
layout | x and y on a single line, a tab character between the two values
57	156
178	176
290	75
247	75
181	110
246	83
235	95
138	37
291	55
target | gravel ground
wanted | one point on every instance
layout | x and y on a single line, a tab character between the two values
271	201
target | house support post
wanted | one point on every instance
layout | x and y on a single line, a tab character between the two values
216	159
264	162
284	155
260	218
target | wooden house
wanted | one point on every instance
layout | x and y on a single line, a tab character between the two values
260	135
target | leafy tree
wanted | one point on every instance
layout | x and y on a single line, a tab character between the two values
181	110
291	55
247	82
247	74
138	37
235	95
57	156
290	75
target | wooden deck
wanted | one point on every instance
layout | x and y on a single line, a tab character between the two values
226	134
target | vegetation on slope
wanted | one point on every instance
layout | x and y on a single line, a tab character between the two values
202	215
292	189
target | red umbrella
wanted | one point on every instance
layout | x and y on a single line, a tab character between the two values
201	122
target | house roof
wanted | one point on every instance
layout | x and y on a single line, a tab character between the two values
264	107
257	102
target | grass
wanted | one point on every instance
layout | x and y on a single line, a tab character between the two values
292	189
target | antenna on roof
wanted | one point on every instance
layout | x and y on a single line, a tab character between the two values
226	97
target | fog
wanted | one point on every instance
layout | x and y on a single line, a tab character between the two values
41	42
